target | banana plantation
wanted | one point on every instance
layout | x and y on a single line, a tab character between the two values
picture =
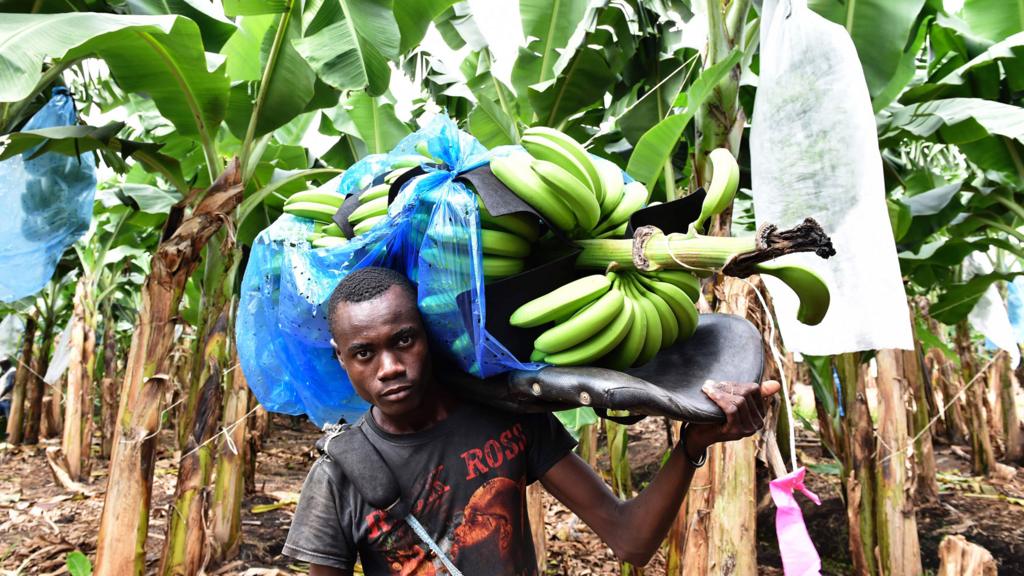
608	211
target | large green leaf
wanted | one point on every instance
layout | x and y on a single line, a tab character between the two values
349	42
580	86
880	30
576	418
215	28
491	125
372	120
658	143
957	300
990	134
27	40
981	77
548	25
159	56
76	140
657	93
255	7
994	19
415	17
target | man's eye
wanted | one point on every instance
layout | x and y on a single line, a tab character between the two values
405	340
363	354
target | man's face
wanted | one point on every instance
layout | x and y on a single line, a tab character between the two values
382	345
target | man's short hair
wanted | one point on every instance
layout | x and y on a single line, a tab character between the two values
366	284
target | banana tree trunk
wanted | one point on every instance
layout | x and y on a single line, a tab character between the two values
858	472
259	431
232	453
1011	421
75	443
926	484
898	548
125	519
109	388
55	418
16	416
983	458
35	386
716	529
949	383
186	529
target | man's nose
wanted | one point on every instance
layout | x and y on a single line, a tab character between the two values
391	367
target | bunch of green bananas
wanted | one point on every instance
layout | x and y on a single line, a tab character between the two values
618	319
318	205
583	196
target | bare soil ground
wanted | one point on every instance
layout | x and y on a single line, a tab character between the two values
40	521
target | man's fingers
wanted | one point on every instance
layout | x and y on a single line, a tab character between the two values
770	388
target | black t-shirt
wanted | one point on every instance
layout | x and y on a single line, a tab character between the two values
465	477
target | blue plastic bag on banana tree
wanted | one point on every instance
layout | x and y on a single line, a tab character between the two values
48	203
814	152
431	233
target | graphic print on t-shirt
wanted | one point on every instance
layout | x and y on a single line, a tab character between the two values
485	536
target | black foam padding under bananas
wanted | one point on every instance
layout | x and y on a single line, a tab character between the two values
724	348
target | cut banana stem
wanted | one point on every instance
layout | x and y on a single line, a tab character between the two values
650	250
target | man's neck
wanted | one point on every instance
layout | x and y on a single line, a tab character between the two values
436	407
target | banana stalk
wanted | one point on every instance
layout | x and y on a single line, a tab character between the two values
651	250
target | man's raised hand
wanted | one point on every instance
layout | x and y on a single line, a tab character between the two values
744	406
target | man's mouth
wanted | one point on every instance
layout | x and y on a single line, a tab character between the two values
396	392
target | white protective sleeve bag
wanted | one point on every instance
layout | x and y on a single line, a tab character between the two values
814	152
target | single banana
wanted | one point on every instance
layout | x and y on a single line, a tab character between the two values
312	210
442	303
600	344
499	243
669	324
613	184
634	198
560	302
498	267
524	225
680	303
314	237
329	242
316	196
573	192
396	173
585	324
809	287
654	335
514	171
625	354
684	280
573	148
332	229
377	207
544	149
374	192
365	226
725	179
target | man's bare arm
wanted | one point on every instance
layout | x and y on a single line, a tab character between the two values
634	529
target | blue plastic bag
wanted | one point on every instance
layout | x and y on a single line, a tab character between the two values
48	203
431	234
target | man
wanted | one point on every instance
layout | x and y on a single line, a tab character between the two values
464	467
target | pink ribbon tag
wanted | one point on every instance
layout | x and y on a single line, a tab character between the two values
799	557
